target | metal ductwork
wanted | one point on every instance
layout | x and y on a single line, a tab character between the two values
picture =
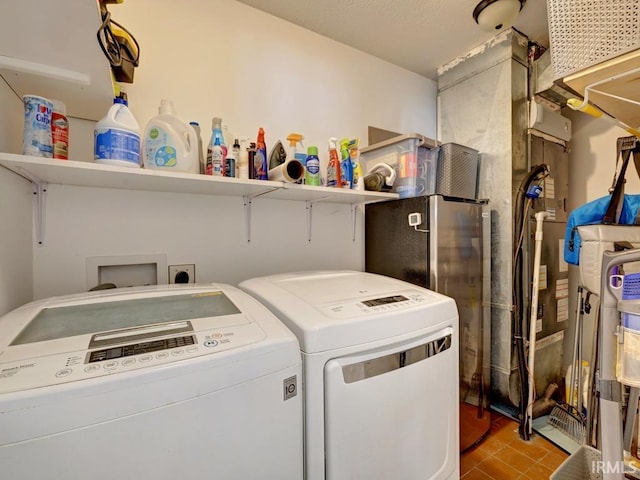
543	84
483	103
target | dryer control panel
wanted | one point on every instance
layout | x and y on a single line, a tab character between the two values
388	303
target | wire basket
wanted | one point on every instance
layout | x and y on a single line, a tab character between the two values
583	33
631	291
580	465
631	286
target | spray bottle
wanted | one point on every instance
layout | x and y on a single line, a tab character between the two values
292	169
354	155
333	167
299	154
346	168
215	158
217	168
312	176
260	160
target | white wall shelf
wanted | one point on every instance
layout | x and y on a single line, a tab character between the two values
43	171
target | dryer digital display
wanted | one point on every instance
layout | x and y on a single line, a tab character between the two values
385	300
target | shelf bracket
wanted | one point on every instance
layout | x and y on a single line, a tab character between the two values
309	206
247	216
39	190
354	215
247	199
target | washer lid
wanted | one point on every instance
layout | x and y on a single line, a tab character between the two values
334	309
116	335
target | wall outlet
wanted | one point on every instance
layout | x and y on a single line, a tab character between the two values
182	273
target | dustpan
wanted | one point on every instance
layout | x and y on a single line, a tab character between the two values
568	420
565	416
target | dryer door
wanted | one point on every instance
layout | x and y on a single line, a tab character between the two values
393	412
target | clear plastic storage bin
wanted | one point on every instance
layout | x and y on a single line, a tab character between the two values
414	158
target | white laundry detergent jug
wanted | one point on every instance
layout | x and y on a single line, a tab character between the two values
169	143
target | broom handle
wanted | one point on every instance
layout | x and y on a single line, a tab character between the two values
574	352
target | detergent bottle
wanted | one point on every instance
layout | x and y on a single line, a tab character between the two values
334	175
260	161
170	143
117	136
292	169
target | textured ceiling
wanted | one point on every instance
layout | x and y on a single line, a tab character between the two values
419	35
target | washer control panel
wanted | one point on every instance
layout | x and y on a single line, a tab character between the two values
72	366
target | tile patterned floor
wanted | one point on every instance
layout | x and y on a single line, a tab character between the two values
504	456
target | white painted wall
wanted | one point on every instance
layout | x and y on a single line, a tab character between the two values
16	260
222	58
592	159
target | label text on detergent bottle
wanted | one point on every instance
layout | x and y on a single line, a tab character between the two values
113	143
159	151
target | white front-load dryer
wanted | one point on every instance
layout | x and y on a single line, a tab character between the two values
380	373
167	382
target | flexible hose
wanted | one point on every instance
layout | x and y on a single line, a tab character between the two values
537	172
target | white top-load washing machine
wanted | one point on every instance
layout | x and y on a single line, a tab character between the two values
173	382
380	373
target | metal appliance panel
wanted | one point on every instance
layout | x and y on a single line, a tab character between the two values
553	294
392	247
448	253
493	120
553	307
